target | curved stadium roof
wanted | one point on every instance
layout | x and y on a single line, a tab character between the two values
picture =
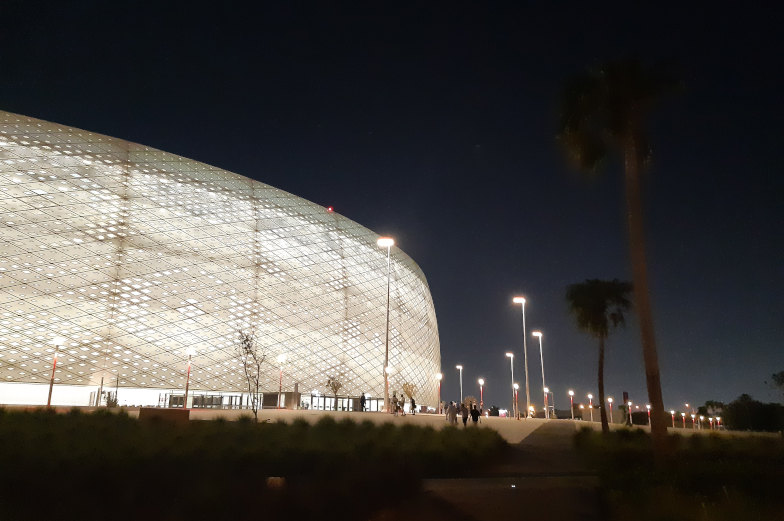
135	255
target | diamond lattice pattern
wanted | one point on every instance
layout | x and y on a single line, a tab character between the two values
135	256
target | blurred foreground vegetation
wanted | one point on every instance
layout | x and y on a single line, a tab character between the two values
110	466
715	477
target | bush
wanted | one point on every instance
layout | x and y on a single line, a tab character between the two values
105	462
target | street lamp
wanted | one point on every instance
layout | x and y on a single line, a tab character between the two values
511	366
571	402
648	406
521	301
439	376
683	416
481	394
673	418
718	422
710	419
610	400
693	417
57	342
702	419
281	360
590	404
517	410
386	242
460	368
538	334
190	352
630	413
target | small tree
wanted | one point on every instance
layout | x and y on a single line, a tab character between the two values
470	401
777	380
409	389
252	356
334	385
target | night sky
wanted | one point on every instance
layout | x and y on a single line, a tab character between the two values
437	127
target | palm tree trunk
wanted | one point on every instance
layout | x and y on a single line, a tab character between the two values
600	381
641	293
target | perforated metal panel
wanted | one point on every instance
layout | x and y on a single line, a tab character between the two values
134	255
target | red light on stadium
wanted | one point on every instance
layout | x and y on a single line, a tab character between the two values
330	209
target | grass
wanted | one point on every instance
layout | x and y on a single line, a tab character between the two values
713	478
105	465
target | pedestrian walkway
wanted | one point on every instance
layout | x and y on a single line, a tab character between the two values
542	478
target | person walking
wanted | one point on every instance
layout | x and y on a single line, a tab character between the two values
451	413
394	403
475	415
362	401
413	406
464	413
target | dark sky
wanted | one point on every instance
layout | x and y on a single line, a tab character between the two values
437	126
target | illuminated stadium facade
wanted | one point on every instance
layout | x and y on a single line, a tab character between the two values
136	257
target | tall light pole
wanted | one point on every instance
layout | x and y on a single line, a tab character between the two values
683	417
281	360
590	404
481	394
521	301
538	334
571	402
515	386
57	342
386	242
610	401
189	351
673	418
514	393
460	368
439	376
629	405
648	406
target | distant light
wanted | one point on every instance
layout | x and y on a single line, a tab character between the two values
590	396
510	355
571	393
537	333
385	242
59	341
439	376
330	209
190	351
481	381
518	300
516	386
281	358
609	400
672	412
459	367
547	389
648	406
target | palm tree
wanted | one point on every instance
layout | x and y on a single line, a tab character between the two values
605	110
597	305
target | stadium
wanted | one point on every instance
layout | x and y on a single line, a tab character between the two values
128	262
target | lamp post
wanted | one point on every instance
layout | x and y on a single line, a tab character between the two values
57	342
693	417
571	402
702	419
386	242
673	418
648	406
590	404
538	334
439	376
610	401
517	410
281	360
683	416
718	422
460	369
629	405
190	352
481	394
514	393
710	419
521	301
